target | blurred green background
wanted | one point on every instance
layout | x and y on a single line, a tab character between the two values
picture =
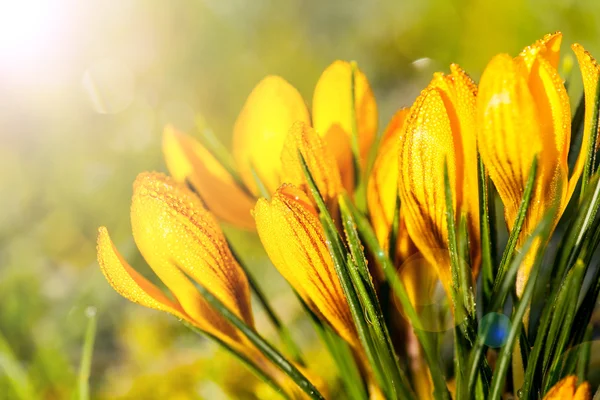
85	90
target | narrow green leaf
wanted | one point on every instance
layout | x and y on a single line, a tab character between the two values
262	188
577	274
578	230
341	354
577	235
462	297
393	236
430	349
364	286
261	344
487	247
505	355
498	297
354	122
83	384
337	251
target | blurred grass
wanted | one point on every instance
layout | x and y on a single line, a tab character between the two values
66	168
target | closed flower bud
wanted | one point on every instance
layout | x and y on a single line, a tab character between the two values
439	130
292	235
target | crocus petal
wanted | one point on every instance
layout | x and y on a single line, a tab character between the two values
321	163
426	143
188	160
180	239
332	106
566	389
292	235
590	72
129	283
509	130
548	48
584	392
523	111
383	182
459	93
261	128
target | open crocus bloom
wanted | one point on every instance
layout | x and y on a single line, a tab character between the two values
440	129
523	112
566	389
259	136
183	244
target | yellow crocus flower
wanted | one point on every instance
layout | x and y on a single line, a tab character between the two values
259	136
182	243
290	230
566	389
440	128
523	111
332	117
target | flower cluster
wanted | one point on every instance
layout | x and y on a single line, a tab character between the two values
340	212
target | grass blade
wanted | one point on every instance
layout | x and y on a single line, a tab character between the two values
83	382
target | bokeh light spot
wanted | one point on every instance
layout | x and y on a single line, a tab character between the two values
495	328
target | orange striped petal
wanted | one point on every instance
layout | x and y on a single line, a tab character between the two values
129	283
383	182
332	105
181	240
292	235
321	163
426	143
590	72
509	134
566	389
261	128
188	160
